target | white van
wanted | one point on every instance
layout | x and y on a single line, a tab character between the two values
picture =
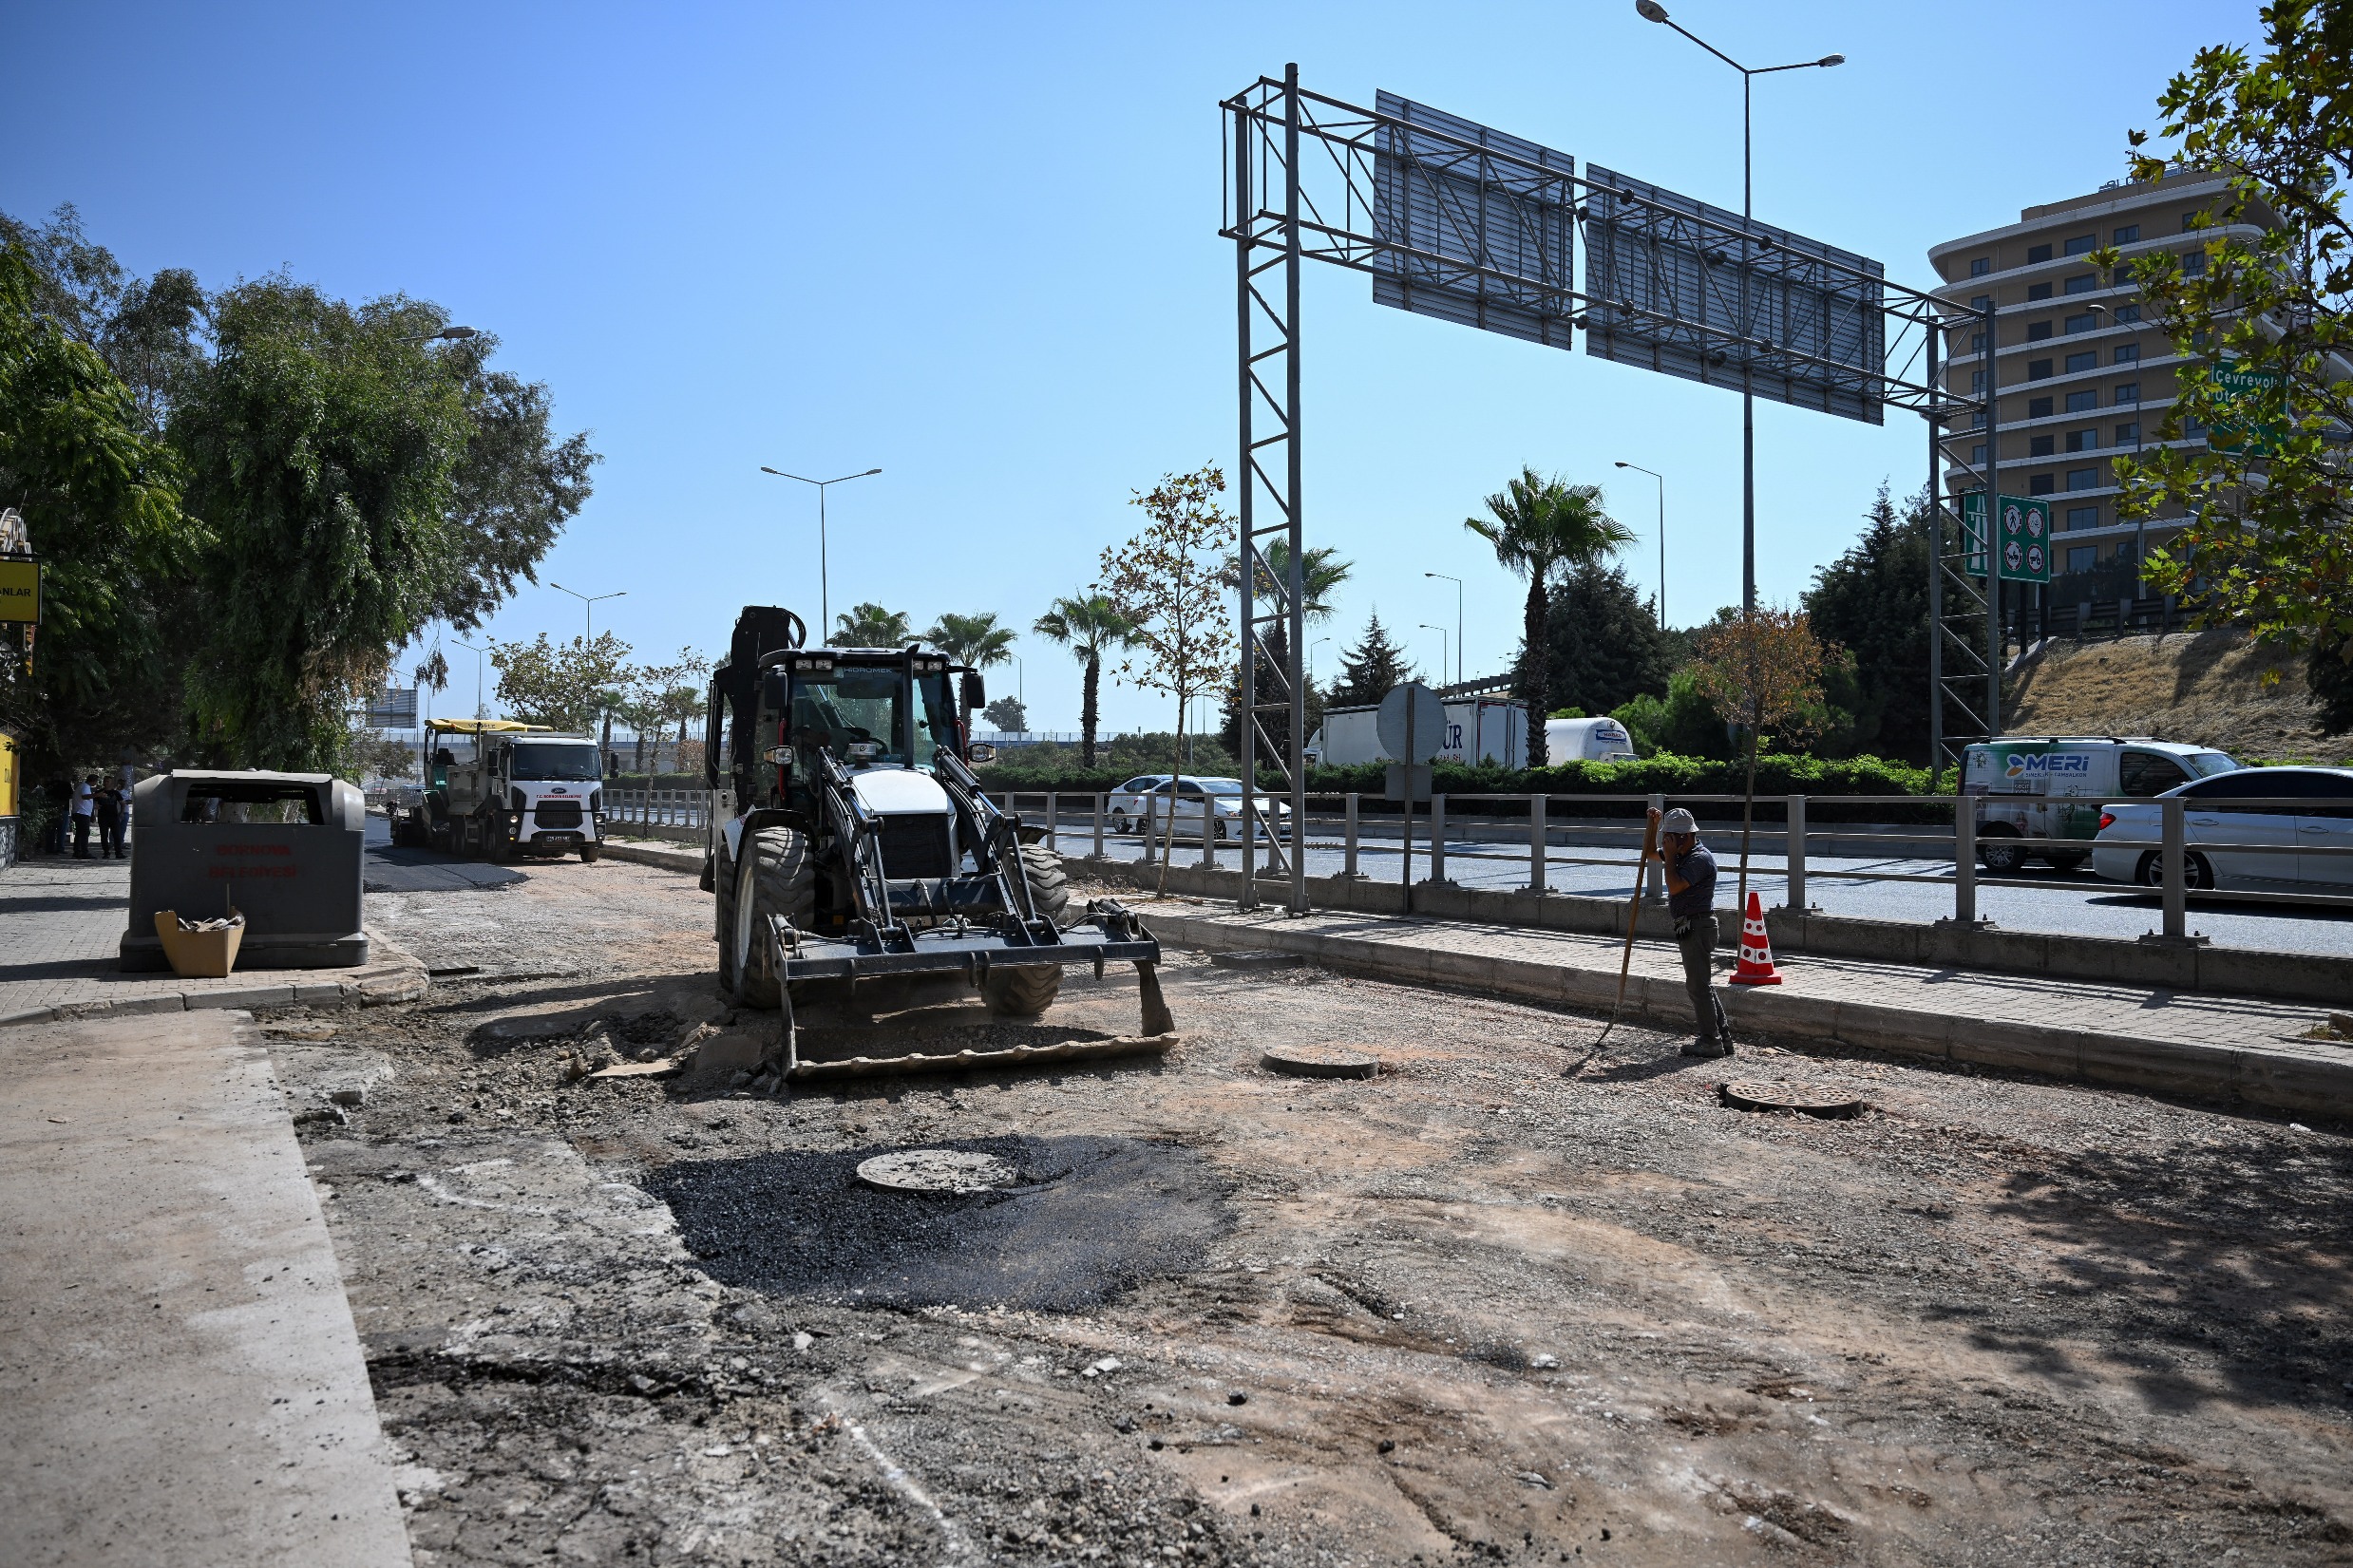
2052	787
1603	740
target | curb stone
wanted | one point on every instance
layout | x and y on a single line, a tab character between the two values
2282	1079
392	974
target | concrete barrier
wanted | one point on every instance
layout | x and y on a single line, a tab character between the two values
2236	971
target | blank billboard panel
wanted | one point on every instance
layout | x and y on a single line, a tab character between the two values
1700	293
1473	226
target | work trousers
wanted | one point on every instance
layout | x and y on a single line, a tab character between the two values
1696	939
110	835
81	836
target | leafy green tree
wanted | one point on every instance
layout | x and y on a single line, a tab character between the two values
1090	626
2268	541
1537	526
564	686
1009	715
100	501
356	482
976	641
871	626
1602	643
320	446
1372	670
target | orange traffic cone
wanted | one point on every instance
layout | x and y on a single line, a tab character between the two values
1756	965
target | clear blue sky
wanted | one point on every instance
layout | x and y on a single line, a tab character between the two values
976	245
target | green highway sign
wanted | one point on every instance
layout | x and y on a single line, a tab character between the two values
2258	419
2025	536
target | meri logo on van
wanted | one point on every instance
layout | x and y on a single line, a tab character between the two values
2048	763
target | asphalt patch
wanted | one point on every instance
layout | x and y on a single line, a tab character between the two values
1086	1219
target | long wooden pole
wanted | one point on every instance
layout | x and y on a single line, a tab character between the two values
1625	959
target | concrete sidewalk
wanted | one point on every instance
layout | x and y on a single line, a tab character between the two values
181	1377
2199	1044
61	919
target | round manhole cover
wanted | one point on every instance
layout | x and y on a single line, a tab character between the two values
1320	1062
1753	1094
936	1170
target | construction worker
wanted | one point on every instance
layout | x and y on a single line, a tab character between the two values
1691	900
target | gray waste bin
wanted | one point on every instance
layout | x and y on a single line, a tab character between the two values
196	848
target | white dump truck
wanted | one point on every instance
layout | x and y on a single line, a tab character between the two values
499	788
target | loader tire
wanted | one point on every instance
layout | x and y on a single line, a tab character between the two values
776	878
1027	991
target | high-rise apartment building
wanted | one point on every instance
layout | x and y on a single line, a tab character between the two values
2083	375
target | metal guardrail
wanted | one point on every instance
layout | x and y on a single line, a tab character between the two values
2176	854
657	807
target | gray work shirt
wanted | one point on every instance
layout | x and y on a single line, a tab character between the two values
1698	870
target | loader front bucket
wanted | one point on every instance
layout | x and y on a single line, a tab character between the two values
1111	934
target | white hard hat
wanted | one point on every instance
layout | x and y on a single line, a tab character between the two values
1678	821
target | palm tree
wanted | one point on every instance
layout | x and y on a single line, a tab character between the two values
871	626
1324	571
1090	626
976	641
1539	527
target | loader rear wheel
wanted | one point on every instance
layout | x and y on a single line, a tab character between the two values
776	878
1027	991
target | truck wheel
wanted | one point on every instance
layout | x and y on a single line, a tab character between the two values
2003	856
591	854
502	848
777	878
1026	990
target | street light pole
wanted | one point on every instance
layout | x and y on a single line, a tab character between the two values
588	608
1441	632
824	580
476	652
1458	616
1650	11
1662	536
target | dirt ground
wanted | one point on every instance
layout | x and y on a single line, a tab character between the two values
1499	1302
2208	688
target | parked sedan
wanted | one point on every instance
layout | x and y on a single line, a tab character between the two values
1193	802
2286	840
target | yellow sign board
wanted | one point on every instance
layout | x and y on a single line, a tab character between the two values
20	591
8	775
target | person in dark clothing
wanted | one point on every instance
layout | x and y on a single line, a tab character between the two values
1691	900
109	807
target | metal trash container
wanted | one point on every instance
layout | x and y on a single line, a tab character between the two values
285	848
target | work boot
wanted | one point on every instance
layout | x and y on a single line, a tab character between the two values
1708	1044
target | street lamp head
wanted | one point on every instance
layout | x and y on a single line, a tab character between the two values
1832	60
778	472
1650	11
1622	462
869	473
457	333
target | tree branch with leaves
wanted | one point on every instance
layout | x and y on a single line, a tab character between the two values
1170	583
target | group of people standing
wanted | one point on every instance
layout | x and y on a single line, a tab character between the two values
94	804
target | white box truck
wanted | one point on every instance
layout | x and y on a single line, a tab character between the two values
2051	788
1603	740
1478	729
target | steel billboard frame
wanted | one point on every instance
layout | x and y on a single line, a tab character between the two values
1299	176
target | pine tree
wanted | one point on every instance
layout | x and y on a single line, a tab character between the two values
1873	602
1604	647
1372	670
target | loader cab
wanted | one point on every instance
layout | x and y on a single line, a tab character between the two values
868	707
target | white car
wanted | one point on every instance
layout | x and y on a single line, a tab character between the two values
1191	800
1129	800
2271	843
